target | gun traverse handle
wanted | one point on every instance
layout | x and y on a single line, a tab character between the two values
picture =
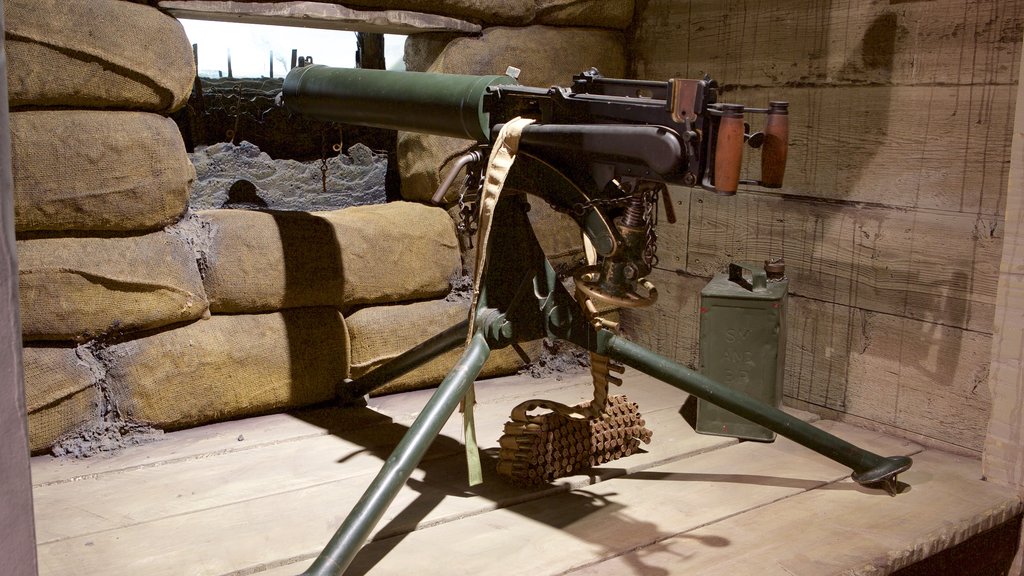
729	149
442	190
776	145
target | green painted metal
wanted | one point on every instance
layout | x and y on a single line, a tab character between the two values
522	299
440	104
742	345
345	543
868	468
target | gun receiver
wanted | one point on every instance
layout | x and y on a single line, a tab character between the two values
671	132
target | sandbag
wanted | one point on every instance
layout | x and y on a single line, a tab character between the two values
229	366
559	236
510	12
79	288
97	170
380	333
60	394
547	56
597	13
261	261
96	54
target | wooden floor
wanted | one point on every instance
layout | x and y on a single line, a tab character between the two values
263	495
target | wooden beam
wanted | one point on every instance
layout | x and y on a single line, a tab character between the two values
18	544
370	51
1003	459
316	15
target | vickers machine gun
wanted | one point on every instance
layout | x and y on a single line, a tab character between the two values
608	148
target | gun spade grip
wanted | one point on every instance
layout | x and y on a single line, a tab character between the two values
776	145
729	149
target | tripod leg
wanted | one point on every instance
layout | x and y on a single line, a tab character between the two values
406	362
349	538
868	468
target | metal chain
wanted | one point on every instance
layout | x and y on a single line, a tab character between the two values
323	157
650	253
579	209
469	193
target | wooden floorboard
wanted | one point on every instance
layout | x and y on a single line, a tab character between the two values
250	433
262	495
312	464
839	529
569	530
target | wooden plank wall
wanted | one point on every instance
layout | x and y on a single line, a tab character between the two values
891	220
1003	459
18	543
1004	455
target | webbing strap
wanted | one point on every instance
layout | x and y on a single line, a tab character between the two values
503	155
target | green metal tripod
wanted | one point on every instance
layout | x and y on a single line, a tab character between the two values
522	299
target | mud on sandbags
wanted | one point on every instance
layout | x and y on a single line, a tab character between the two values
230	176
97	171
96	54
80	288
261	261
60	393
380	333
227	367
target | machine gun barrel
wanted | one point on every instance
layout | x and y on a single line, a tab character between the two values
441	104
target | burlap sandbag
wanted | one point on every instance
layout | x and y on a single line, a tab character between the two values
97	170
597	13
510	12
558	234
547	56
60	394
261	261
96	54
228	367
78	288
381	333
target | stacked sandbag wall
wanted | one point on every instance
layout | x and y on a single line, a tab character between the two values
137	314
100	173
387	268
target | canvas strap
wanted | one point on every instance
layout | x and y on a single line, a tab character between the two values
503	155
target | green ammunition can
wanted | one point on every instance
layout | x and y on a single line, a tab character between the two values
743	343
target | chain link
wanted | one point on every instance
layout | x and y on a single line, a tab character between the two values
579	209
650	196
650	253
469	216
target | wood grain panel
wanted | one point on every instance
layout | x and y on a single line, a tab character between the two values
938	267
794	42
920	377
937	147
